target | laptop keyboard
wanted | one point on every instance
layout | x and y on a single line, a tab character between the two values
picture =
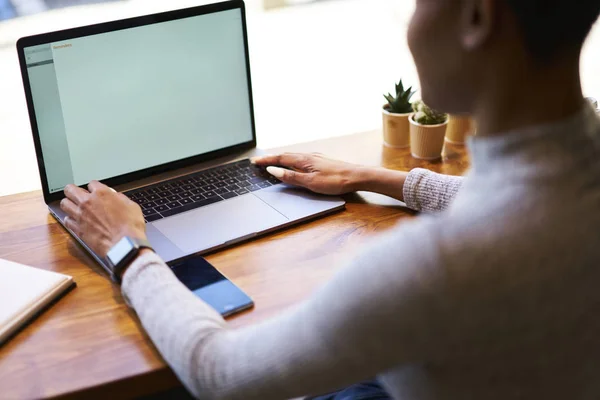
200	189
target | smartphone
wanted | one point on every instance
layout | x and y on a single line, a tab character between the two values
210	285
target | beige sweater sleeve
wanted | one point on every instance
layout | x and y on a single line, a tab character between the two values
430	192
324	343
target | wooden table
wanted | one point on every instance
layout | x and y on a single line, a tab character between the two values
90	344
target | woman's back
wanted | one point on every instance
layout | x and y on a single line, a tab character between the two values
519	264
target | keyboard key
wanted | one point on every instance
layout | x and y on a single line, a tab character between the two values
208	188
229	195
185	201
221	184
161	208
140	200
264	184
232	187
253	188
192	206
208	194
241	191
273	181
232	181
176	184
187	187
152	197
152	190
153	217
186	194
148	211
177	190
198	197
173	204
163	188
244	183
164	194
221	191
188	181
256	180
161	201
222	177
174	197
149	204
212	180
196	191
199	182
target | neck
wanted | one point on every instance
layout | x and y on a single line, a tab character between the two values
536	97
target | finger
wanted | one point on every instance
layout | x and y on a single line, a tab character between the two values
73	226
70	208
291	177
76	194
291	160
95	186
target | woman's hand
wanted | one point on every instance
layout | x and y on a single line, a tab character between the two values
101	217
313	171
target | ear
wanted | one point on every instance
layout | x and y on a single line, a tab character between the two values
477	23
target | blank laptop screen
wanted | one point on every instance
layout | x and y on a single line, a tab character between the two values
119	102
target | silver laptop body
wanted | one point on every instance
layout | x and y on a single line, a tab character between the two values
160	105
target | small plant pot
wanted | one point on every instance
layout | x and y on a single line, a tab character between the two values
427	141
459	128
396	130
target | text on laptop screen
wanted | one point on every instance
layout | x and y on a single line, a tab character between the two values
119	102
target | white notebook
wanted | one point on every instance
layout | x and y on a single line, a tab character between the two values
24	292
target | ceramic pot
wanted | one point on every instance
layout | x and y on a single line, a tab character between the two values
427	141
396	129
459	127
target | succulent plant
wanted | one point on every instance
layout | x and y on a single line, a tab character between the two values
426	115
401	103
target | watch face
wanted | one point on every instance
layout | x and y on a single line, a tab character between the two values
119	251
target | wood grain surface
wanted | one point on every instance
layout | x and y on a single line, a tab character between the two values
91	345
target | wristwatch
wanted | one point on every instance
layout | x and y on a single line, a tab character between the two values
124	252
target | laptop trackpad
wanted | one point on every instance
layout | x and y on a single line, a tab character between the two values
216	224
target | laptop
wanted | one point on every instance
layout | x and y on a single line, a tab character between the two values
160	108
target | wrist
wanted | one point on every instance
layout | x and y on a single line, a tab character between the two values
383	181
361	178
123	253
142	252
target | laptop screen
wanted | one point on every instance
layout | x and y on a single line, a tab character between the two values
118	102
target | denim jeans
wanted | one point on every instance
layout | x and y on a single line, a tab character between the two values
371	390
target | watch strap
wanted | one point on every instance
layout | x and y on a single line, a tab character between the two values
137	246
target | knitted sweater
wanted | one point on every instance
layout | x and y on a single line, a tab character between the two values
493	296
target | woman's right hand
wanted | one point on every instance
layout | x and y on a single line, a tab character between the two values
313	171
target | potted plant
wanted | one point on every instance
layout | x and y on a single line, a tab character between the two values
427	132
459	127
396	129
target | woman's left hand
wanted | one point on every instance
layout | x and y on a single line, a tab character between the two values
101	217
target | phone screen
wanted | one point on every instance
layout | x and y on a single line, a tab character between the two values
210	285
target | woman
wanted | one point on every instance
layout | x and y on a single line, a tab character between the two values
493	296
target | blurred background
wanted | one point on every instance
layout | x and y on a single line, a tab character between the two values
319	68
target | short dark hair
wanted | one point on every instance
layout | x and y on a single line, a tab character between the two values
553	27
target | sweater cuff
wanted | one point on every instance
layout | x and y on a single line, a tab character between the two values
411	188
147	261
428	191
